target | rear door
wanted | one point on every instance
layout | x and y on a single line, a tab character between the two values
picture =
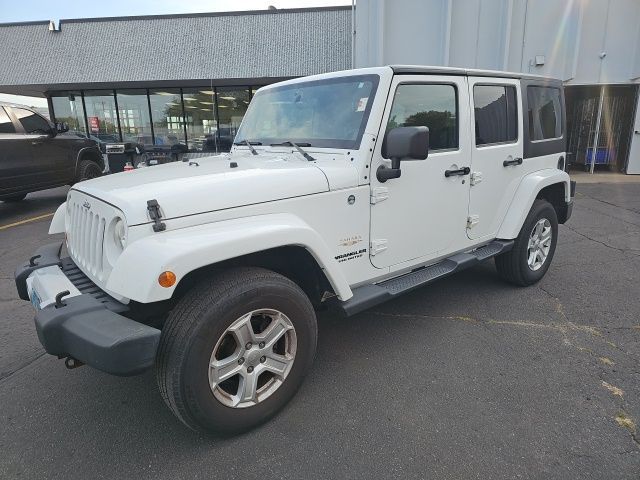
497	152
422	214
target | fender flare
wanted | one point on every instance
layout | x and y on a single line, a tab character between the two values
57	222
135	273
526	194
92	151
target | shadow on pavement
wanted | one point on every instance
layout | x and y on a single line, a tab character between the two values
37	203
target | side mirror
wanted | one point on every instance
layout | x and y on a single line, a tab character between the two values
402	144
62	127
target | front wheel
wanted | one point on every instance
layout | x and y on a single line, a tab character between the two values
87	170
235	350
533	250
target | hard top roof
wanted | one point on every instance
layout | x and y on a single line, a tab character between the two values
423	69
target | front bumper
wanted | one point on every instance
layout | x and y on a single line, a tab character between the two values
89	327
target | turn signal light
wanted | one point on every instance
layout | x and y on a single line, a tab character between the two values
167	279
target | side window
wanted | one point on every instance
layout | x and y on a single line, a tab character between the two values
545	113
6	126
429	105
32	122
496	114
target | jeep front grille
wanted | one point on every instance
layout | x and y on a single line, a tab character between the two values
86	238
87	286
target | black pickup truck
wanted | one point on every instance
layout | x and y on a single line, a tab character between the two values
35	154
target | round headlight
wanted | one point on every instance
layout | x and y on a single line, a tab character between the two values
120	233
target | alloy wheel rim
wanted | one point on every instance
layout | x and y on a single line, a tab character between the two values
252	358
539	244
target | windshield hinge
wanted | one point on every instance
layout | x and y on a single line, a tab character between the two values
476	178
379	194
472	221
377	246
154	213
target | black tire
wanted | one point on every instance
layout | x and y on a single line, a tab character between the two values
513	266
200	320
87	170
14	198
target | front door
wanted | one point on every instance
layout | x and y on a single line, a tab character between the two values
18	170
45	154
497	165
423	214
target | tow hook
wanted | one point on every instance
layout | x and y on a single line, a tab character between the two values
72	363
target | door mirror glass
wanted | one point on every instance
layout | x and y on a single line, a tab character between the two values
407	143
62	127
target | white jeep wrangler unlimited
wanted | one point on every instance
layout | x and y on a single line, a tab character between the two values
344	189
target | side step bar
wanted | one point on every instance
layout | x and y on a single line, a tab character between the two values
368	296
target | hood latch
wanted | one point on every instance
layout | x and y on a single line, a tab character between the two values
154	213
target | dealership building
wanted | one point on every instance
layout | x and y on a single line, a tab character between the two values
187	79
163	80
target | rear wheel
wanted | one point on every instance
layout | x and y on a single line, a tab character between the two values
235	350
87	170
14	198
533	250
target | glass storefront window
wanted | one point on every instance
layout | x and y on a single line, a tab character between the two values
135	121
210	116
202	127
167	116
232	105
67	107
101	115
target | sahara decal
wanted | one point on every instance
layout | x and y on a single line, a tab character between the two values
349	241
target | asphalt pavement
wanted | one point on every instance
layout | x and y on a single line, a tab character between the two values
467	378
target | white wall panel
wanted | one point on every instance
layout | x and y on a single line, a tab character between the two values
464	18
619	41
505	35
550	32
635	71
414	31
491	43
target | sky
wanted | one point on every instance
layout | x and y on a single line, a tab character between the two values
30	10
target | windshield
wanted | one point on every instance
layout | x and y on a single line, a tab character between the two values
322	113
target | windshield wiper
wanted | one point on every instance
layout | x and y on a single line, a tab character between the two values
297	146
249	144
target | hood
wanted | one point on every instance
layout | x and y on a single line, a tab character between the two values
207	184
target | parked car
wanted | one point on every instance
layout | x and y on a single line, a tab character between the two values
35	154
107	137
342	190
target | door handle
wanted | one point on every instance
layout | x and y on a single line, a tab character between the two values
513	161
459	171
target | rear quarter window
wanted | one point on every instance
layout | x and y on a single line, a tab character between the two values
6	125
545	113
